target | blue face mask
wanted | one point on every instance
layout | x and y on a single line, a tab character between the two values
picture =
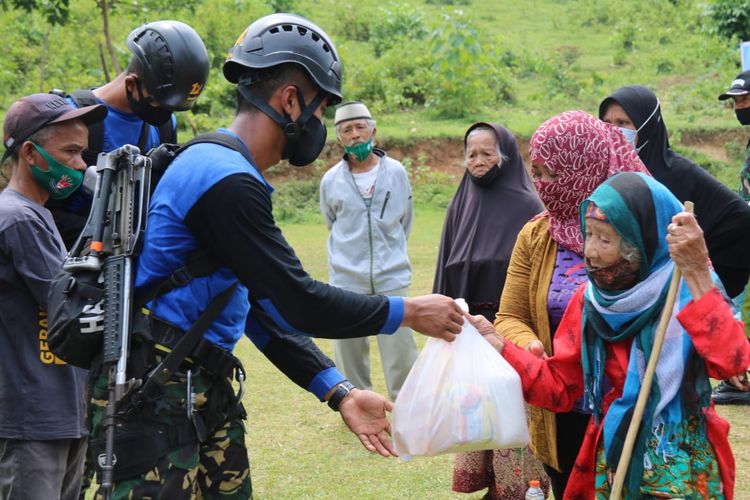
630	135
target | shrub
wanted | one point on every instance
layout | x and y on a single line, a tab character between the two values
729	18
297	200
460	69
396	25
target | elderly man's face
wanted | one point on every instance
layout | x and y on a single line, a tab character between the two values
65	144
355	132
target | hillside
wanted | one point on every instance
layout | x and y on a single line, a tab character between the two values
429	68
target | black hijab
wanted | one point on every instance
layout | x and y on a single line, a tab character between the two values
721	213
481	227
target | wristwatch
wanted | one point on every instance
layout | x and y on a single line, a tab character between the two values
339	394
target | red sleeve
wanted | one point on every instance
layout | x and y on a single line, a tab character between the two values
718	338
553	383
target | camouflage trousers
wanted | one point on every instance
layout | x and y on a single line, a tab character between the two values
218	467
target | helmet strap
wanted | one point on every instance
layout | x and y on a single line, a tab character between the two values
292	128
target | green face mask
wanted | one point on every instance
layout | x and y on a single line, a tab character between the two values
360	151
58	180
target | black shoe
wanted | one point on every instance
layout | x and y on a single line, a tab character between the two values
727	394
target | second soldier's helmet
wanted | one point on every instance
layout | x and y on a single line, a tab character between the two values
174	62
286	38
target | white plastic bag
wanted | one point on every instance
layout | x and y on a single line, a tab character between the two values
459	396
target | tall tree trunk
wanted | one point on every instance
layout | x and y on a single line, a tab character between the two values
103	60
105	6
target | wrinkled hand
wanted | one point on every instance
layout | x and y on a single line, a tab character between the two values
689	253
488	332
433	315
740	382
686	244
536	348
364	413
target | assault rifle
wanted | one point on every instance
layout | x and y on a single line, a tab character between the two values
110	243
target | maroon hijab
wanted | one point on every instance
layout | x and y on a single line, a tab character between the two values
583	151
480	229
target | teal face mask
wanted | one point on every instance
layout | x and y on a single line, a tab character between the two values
360	151
58	180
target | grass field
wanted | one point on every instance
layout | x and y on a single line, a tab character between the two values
300	449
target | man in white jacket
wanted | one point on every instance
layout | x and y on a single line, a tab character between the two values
367	204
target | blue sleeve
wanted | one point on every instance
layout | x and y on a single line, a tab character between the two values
295	356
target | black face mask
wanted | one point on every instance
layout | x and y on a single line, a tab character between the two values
305	137
310	143
618	276
743	116
144	110
487	178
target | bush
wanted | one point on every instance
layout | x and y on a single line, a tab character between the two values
297	201
729	18
395	26
460	70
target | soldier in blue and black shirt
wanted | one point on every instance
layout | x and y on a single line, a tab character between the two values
215	199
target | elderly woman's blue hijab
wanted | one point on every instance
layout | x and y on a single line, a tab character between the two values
639	208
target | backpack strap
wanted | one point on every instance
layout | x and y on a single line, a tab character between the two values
226	140
198	263
167	132
143	137
83	98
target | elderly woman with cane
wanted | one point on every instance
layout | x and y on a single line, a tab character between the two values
635	234
571	154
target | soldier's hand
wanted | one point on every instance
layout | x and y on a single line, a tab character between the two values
364	413
433	315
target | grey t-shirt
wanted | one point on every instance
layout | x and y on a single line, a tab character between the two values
41	397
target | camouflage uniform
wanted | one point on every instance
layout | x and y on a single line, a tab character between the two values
218	467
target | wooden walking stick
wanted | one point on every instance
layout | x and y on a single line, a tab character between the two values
648	378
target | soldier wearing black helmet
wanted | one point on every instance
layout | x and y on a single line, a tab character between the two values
215	198
166	73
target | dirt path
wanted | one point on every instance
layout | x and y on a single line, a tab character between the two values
446	155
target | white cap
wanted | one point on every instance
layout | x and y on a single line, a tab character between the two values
352	110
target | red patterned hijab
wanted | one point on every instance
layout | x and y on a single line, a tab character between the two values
583	151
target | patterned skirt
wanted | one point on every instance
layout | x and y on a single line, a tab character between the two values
691	472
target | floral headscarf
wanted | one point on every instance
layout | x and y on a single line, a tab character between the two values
583	151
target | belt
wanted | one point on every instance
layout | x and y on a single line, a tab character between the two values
212	358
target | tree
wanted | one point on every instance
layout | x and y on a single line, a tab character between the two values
730	18
105	7
54	11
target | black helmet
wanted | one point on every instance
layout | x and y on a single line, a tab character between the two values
174	62
286	38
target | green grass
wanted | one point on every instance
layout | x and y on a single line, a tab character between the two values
300	449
